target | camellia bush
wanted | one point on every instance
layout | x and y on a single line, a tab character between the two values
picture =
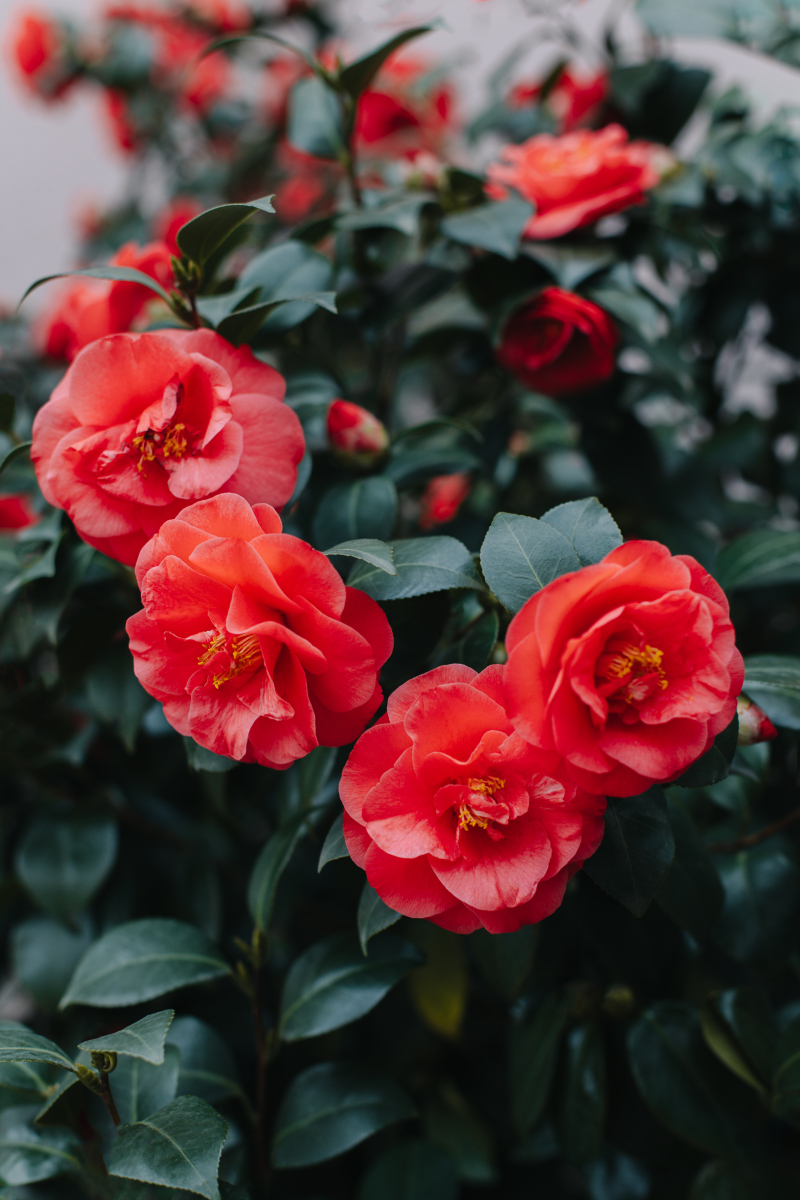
399	625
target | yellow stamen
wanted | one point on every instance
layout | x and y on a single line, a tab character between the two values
487	786
480	787
175	442
627	660
217	643
466	817
245	653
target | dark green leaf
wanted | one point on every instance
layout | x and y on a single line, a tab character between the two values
505	958
739	1027
773	682
582	1108
475	647
331	1107
412	1171
369	550
63	1105
284	273
636	851
141	959
423	565
497	226
244	324
115	694
373	916
683	1084
588	526
332	983
270	865
13	454
452	1124
400	213
142	1088
715	764
718	1181
307	788
200	237
570	265
521	555
29	1154
18	1044
44	954
201	759
27	1083
315	119
207	1068
177	1147
63	860
117	274
762	897
691	893
334	845
532	1059
8	409
366	508
357	77
760	559
786	1057
144	1039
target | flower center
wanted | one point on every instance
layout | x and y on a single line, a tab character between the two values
638	668
168	443
245	655
467	816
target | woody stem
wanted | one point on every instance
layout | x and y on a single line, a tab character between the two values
754	839
108	1099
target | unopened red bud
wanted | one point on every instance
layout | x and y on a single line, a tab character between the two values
356	433
754	724
442	499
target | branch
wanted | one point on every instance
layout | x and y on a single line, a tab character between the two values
754	839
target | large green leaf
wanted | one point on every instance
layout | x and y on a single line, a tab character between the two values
332	983
357	77
19	1044
141	1088
244	323
373	916
411	1171
532	1059
692	893
497	225
177	1147
636	851
141	959
29	1154
368	550
588	526
115	274
521	555
144	1039
207	1068
26	1082
282	273
773	682
583	1100
315	123
740	1028
331	1107
63	860
762	901
200	237
423	565
760	559
366	508
270	865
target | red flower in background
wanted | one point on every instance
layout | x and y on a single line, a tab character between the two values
574	99
356	433
250	639
16	511
308	182
398	115
559	343
171	219
442	498
88	309
576	178
454	817
143	425
38	47
629	668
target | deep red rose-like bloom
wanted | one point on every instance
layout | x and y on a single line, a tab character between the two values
455	817
355	432
629	668
250	639
442	498
754	724
88	309
38	49
558	343
16	511
573	99
576	178
142	425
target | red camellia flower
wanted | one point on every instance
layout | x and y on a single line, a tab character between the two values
250	639
573	99
16	511
356	433
455	817
576	178
754	724
38	49
172	219
88	309
442	499
627	668
142	425
558	343
396	116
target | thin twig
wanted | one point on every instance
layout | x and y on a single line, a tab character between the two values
754	839
108	1099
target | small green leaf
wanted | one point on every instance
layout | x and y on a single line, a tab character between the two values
497	225
357	77
116	274
270	865
368	550
207	1068
521	555
141	1088
423	565
773	682
200	759
177	1147
63	860
29	1154
18	1044
141	959
334	845
332	1107
366	508
144	1039
762	558
588	526
315	123
332	983
243	324
373	916
636	851
13	454
200	237
739	1027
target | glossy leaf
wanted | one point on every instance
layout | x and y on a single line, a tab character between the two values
332	1107
115	274
762	558
332	983
243	324
423	565
144	1039
200	237
334	845
26	1082
63	860
636	851
521	555
588	526
141	959
45	953
207	1068
357	77
497	225
29	1154
740	1028
475	647
177	1147
141	1088
366	508
270	865
773	682
315	119
13	454
532	1059
368	550
762	901
63	1105
692	894
582	1108
18	1044
373	916
439	988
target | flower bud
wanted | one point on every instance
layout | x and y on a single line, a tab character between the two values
754	724
442	499
355	433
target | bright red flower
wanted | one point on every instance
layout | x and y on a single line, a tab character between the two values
16	511
629	668
754	724
250	639
455	817
576	178
558	343
397	116
143	425
88	309
442	499
38	47
123	129
573	99
356	433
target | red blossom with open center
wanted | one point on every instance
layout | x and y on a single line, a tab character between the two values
627	668
457	818
250	639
